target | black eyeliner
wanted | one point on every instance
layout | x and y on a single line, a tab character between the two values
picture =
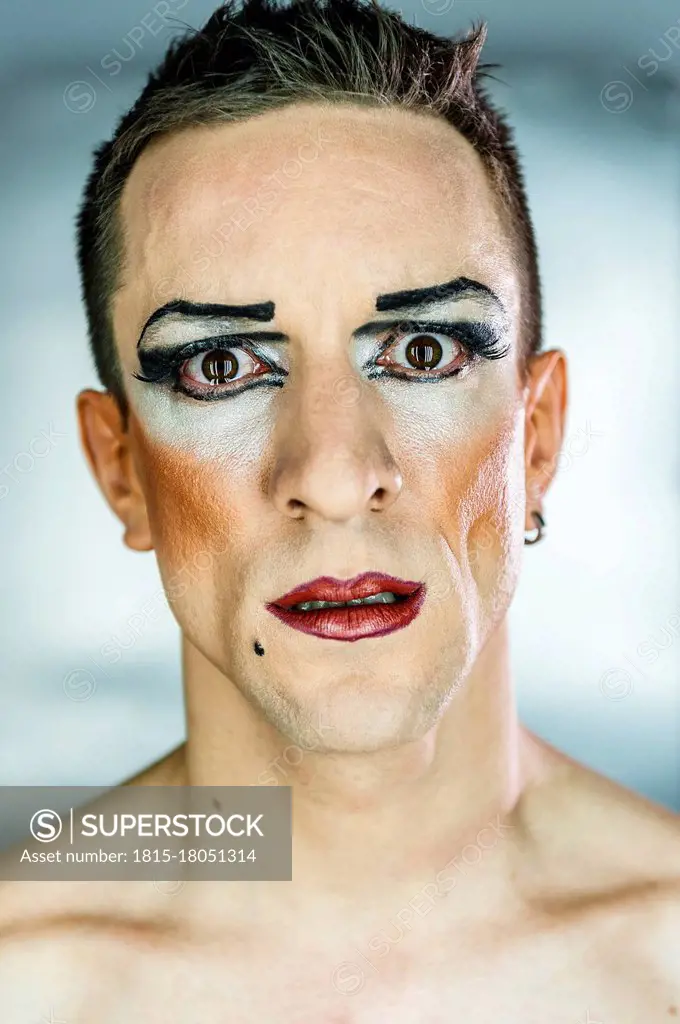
478	337
161	363
218	394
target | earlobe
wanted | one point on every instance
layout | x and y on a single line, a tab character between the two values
546	404
106	443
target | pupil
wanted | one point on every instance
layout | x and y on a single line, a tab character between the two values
219	366
424	352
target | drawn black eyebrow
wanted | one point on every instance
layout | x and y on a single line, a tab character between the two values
258	311
459	287
415	299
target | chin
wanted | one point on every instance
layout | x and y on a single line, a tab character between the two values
355	714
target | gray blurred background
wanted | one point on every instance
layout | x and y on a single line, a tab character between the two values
90	687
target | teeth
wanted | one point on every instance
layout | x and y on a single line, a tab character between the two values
385	597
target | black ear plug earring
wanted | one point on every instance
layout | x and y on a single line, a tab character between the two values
533	537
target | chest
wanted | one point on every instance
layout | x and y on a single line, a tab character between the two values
575	978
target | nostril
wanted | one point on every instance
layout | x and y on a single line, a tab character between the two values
296	506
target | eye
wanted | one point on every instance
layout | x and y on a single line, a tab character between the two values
423	353
217	369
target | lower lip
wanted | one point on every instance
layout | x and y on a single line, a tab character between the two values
355	622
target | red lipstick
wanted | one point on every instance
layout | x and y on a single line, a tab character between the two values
400	602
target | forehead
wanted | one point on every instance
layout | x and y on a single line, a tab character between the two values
316	208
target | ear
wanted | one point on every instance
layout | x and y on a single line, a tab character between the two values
545	405
106	442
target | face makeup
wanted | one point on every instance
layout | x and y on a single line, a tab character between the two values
246	443
207	379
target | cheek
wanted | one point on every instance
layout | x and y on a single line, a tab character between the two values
196	511
485	486
463	449
487	530
466	462
491	518
232	432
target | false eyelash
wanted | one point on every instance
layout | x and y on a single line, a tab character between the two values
163	364
479	339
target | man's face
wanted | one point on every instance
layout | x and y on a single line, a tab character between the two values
320	449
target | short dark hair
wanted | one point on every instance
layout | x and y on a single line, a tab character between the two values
250	60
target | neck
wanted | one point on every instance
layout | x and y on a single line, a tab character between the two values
362	818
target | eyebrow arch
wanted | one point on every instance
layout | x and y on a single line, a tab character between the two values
261	312
459	288
258	311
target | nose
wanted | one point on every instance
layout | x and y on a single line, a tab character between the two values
331	460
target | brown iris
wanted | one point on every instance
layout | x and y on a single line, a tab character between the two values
424	352
219	366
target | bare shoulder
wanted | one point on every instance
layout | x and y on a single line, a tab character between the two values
61	942
600	853
23	904
575	809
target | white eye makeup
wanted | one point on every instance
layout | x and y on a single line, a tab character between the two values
199	347
191	354
429	350
211	368
205	365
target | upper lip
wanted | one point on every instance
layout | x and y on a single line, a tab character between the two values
327	588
